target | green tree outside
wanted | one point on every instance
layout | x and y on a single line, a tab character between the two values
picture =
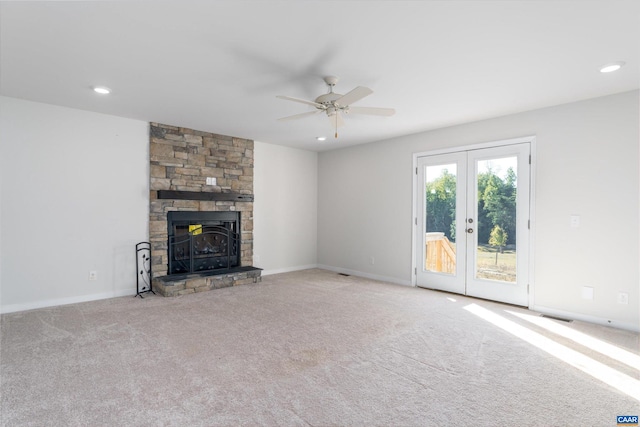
441	205
498	238
496	205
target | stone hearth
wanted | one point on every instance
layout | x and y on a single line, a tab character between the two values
181	160
173	286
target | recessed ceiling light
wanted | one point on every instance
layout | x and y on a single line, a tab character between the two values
102	90
321	138
614	66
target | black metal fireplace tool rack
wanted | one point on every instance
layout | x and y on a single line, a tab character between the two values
143	269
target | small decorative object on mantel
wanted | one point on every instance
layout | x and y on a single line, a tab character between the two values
143	269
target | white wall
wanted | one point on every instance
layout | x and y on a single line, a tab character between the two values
74	198
586	164
285	208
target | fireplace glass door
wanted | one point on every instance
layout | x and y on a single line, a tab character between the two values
202	241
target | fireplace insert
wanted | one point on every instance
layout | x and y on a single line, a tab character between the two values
203	241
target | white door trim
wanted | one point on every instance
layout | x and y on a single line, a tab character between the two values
414	211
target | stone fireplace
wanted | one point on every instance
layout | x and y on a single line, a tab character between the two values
201	210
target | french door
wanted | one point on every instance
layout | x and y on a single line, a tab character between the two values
473	223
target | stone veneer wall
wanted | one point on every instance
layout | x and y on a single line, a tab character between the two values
181	159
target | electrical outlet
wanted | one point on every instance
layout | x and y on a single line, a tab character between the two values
93	275
587	292
574	221
256	259
623	298
372	260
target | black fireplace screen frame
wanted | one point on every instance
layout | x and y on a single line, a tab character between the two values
200	242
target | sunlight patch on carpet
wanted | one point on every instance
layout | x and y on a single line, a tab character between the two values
609	350
600	371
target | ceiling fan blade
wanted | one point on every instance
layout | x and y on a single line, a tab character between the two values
336	120
300	116
302	101
372	111
355	95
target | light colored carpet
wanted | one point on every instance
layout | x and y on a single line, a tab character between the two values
304	348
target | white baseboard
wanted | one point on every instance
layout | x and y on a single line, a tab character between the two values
586	318
288	269
366	275
12	308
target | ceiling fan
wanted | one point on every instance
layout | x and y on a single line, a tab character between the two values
333	104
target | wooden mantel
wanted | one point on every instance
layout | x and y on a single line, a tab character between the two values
197	195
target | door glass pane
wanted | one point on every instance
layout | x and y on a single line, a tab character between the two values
440	227
496	223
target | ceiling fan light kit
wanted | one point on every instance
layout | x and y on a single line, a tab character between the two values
332	104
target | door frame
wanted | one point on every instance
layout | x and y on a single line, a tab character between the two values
455	149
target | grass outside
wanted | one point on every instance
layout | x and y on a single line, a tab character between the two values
504	270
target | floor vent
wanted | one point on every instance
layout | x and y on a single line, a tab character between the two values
556	318
344	274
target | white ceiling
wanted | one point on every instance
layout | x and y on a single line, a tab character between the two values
217	66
